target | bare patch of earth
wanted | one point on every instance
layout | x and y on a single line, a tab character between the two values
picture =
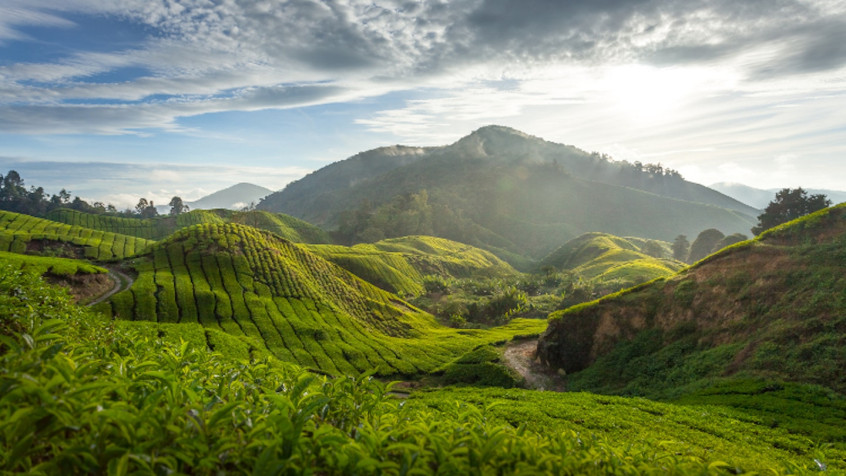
521	357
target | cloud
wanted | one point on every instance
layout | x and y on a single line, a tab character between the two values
201	57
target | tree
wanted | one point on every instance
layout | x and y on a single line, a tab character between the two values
177	206
703	244
141	206
680	248
146	209
729	240
653	248
789	204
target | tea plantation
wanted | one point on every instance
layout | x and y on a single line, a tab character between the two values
297	306
79	394
21	233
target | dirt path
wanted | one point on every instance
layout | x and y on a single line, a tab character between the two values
520	356
122	283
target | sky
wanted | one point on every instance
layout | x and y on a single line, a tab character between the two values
115	100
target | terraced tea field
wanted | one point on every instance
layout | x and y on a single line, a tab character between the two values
294	304
161	227
23	233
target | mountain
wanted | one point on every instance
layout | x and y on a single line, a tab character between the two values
504	191
235	197
774	306
760	198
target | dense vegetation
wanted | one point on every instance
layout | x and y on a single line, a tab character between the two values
23	233
773	306
85	395
506	192
290	303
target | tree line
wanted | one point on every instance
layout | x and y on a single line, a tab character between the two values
34	201
788	204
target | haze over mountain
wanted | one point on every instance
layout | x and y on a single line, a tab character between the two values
501	189
760	198
235	197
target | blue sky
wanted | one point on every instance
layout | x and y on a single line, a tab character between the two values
128	98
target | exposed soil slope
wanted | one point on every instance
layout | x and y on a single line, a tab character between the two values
774	306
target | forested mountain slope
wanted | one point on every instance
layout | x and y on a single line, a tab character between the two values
504	191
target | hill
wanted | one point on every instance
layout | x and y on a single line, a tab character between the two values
291	303
166	405
28	234
157	228
760	198
771	307
504	191
235	197
607	258
399	265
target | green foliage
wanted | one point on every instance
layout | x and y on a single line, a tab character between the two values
789	204
80	395
27	234
699	430
704	244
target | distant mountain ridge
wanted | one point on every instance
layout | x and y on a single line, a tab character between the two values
235	197
760	198
505	191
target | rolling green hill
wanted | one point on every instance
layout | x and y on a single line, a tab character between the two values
27	234
294	304
605	258
399	265
161	227
73	381
774	306
506	192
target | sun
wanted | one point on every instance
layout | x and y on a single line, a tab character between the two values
648	93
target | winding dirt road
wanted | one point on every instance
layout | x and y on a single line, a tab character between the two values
122	283
520	356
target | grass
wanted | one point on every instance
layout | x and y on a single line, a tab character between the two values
293	304
26	234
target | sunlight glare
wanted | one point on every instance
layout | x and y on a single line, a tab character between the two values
647	93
